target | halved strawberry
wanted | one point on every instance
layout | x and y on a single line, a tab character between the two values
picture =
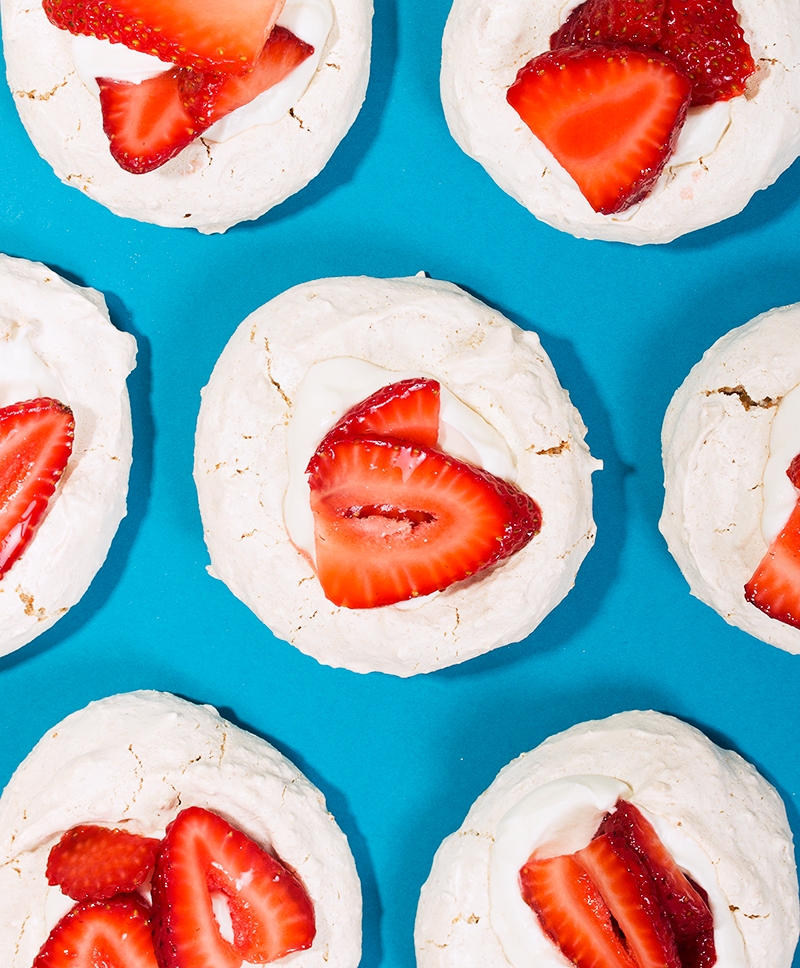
92	863
705	38
146	124
572	912
629	892
629	22
201	855
35	445
394	520
101	934
408	409
202	34
610	116
209	97
687	910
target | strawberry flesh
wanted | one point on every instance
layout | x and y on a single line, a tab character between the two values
35	445
629	22
611	116
201	34
201	856
93	863
394	520
101	934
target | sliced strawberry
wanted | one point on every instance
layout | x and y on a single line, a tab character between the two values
393	520
202	34
629	892
687	910
572	912
146	124
92	863
629	22
35	445
101	934
202	855
775	585
408	410
610	116
705	38
209	97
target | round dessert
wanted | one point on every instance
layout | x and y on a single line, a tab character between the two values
219	178
134	762
497	384
56	341
704	181
722	824
728	440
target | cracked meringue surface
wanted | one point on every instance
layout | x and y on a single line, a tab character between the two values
490	364
677	774
209	186
134	760
716	443
487	41
69	331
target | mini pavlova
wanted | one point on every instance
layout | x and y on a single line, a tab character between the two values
631	122
390	474
194	119
65	444
175	837
625	842
730	441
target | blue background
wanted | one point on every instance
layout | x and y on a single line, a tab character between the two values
400	761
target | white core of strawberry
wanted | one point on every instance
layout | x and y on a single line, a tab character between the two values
778	493
23	376
561	817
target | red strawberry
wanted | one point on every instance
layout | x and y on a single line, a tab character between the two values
146	123
687	910
775	585
93	863
35	445
393	520
113	933
408	410
628	890
705	38
202	854
209	97
630	22
202	34
610	116
572	912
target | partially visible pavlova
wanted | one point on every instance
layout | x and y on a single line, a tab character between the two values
632	121
390	474
163	836
219	114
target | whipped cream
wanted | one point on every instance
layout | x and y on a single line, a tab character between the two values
310	20
561	817
23	375
779	494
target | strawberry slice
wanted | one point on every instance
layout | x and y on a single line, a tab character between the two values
684	905
101	934
146	124
628	890
92	863
408	409
209	97
610	116
202	856
572	912
630	22
705	38
35	445
775	584
394	520
202	34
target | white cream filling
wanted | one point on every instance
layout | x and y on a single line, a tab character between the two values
561	817
778	492
23	376
310	20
